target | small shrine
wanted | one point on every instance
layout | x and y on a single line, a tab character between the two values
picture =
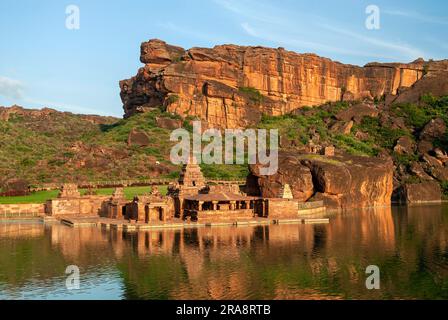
285	192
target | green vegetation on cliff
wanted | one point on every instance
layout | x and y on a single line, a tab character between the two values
414	135
253	94
301	127
58	146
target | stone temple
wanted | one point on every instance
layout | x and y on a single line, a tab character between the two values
189	200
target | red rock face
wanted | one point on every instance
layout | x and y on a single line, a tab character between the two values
232	86
421	192
342	182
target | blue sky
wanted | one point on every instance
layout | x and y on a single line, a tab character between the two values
44	64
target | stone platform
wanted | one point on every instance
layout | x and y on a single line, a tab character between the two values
125	225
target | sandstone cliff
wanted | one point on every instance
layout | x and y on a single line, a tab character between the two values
232	86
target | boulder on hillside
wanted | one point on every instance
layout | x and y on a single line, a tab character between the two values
428	191
361	135
424	146
436	128
440	173
417	169
432	161
404	145
168	123
357	112
138	138
398	123
342	127
441	155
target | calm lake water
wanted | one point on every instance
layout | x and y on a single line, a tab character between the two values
409	245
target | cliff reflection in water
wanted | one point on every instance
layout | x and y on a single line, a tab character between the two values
264	262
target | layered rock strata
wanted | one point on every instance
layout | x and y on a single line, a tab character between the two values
232	86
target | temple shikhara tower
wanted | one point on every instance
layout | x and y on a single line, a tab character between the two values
191	175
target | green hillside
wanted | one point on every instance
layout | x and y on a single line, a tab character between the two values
61	146
55	147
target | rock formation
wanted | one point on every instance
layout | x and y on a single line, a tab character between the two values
428	191
232	86
342	182
138	138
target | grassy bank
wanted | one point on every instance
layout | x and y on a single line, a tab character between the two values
42	196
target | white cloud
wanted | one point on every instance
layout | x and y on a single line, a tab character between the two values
252	10
249	30
405	50
300	31
11	88
417	16
294	41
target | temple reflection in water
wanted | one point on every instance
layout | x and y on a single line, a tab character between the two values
262	262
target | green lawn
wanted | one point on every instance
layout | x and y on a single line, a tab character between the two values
42	196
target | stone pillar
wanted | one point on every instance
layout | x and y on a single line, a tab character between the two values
140	214
266	208
200	203
232	205
215	205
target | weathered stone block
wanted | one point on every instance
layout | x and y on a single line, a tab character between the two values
428	191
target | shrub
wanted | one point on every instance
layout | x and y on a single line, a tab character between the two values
414	115
253	94
27	162
173	175
436	107
425	69
172	98
382	136
354	146
404	159
235	171
418	115
412	180
151	151
176	59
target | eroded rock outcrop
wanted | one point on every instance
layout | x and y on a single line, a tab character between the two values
435	82
291	171
427	191
232	86
342	181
